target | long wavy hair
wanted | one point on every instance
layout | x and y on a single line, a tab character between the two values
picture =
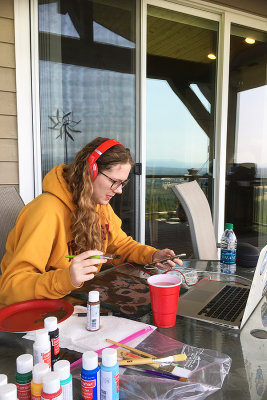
85	225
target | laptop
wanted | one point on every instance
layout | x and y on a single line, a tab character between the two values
224	304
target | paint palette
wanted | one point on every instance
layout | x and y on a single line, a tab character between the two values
29	315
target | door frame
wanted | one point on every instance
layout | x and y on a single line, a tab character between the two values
28	107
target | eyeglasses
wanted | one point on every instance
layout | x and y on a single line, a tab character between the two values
115	184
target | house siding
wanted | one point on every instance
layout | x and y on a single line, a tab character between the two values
8	110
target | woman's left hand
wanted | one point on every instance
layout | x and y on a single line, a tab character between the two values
165	253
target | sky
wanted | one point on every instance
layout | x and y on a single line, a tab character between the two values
169	122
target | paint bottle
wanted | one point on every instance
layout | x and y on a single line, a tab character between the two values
3	379
109	375
8	392
90	376
62	368
50	323
93	311
38	372
51	387
24	365
42	348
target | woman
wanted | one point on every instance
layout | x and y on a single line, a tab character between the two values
71	217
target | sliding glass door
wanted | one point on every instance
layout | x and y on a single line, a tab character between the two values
246	163
180	106
87	82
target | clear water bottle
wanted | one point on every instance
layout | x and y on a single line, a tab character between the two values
228	250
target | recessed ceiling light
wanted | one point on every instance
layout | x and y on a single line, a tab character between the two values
250	40
212	56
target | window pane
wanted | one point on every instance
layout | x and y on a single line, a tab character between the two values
246	183
180	119
87	81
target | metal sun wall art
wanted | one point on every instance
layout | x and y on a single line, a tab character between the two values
65	125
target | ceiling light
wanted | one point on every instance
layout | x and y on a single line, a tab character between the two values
212	56
249	40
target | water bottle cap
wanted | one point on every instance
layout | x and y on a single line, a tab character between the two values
8	392
109	357
51	383
93	296
24	363
39	371
50	323
3	379
228	225
41	336
90	360
62	368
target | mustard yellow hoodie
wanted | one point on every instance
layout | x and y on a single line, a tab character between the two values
34	265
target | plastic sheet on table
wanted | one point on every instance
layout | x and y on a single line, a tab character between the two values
208	369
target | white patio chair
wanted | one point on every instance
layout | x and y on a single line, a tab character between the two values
197	209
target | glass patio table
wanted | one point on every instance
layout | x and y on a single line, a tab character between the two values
247	379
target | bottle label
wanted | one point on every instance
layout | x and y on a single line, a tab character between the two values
24	391
117	382
88	391
42	356
55	345
36	397
109	389
93	317
228	256
67	391
52	396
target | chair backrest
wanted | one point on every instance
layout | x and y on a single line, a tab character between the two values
10	205
197	209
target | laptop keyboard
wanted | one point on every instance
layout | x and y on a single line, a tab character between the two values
227	304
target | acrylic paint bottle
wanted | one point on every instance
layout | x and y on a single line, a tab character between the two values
109	375
51	387
42	348
8	392
90	376
3	379
62	368
50	323
24	365
93	311
38	372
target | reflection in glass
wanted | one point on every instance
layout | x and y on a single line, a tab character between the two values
87	74
246	168
180	91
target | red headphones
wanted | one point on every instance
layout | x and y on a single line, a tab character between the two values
97	153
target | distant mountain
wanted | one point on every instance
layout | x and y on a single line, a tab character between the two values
160	170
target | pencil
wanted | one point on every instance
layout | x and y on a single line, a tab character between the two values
142	361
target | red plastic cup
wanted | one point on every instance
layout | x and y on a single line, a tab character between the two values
164	294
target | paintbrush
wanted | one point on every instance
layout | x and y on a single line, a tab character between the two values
133	350
107	256
155	373
143	361
165	374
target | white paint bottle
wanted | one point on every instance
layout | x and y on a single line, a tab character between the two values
62	368
42	348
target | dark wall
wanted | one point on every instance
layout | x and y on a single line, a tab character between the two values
258	7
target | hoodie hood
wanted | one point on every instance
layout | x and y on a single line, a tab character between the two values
55	184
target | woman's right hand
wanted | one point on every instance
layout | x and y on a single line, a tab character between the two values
82	268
